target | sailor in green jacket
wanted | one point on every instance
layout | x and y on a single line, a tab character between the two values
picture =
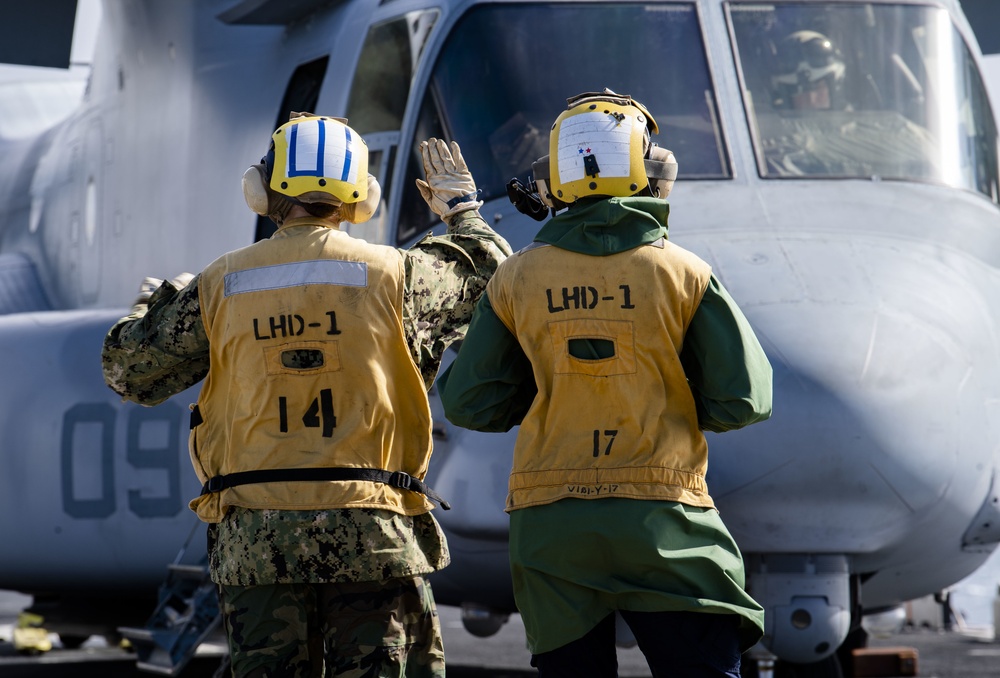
613	349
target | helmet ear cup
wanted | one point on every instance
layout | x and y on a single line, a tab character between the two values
661	171
255	190
362	211
540	170
259	196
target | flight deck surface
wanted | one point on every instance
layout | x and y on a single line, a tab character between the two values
940	654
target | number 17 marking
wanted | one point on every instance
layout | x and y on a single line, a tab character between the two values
597	441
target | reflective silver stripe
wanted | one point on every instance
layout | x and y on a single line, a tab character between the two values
317	272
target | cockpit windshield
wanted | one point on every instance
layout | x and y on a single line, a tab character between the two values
864	90
506	70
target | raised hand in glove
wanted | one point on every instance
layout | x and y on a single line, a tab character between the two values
449	188
149	285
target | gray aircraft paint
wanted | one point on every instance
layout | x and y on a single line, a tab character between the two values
876	301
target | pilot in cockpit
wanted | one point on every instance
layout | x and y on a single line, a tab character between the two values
812	73
829	120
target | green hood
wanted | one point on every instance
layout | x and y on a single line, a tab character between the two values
602	226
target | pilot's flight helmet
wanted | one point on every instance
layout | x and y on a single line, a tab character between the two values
811	72
313	161
599	146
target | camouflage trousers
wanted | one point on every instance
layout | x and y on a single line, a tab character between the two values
353	630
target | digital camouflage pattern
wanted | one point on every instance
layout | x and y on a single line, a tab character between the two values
155	353
445	277
251	547
359	638
160	349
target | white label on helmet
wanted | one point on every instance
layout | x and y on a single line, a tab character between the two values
597	134
317	149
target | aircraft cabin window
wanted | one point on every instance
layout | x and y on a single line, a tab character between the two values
497	92
864	90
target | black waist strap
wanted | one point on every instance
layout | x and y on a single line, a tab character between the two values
403	481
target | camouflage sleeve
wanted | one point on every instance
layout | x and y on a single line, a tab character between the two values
445	276
159	349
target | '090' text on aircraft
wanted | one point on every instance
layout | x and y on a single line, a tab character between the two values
859	230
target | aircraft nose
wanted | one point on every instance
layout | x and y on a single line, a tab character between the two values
881	370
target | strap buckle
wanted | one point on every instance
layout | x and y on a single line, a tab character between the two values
400	479
214	484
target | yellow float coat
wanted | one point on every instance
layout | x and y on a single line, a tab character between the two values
618	426
309	368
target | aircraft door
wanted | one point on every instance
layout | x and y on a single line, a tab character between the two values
79	204
302	94
88	221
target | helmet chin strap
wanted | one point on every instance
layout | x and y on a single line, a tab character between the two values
280	207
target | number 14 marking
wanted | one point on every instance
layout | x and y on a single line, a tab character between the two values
319	415
597	441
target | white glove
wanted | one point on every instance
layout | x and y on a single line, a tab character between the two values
146	289
149	285
181	280
449	188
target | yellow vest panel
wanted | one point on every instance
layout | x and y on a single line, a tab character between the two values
621	422
310	368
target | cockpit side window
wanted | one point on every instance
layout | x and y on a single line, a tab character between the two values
864	90
380	90
498	91
388	61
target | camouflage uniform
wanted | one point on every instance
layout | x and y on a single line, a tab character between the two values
387	629
262	559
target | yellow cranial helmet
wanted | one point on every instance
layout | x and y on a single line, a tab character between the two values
597	147
319	159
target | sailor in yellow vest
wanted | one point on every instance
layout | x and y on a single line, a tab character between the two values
312	431
613	349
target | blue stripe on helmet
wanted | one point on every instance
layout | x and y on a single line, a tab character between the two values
321	149
291	150
347	154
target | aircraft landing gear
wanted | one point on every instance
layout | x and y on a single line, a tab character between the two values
827	668
482	621
758	663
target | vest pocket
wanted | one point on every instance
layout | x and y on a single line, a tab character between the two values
303	357
595	347
592	348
